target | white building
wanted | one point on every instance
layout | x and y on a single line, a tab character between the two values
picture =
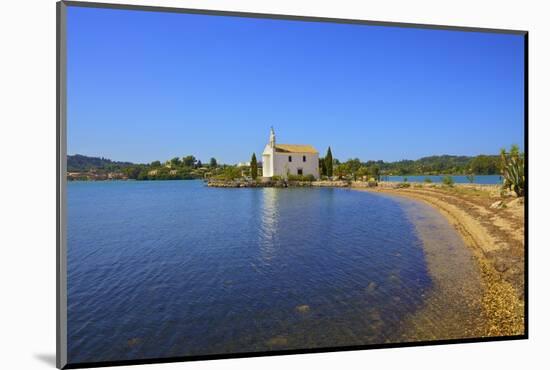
289	159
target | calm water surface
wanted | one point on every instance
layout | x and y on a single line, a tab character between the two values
158	269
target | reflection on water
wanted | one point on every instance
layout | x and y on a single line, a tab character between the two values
159	269
269	216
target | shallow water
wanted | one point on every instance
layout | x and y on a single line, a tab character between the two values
158	269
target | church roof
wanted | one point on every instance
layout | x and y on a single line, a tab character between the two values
295	148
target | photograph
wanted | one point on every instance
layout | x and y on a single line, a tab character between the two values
240	184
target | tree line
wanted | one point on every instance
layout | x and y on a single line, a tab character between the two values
189	167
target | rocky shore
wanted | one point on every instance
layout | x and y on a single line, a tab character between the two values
241	183
276	184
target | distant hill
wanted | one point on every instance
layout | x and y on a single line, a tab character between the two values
441	164
82	163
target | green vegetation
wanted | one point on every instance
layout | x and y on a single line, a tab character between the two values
439	165
189	161
322	167
512	169
82	163
355	169
253	167
484	165
470	178
80	167
427	180
229	173
448	180
301	178
189	167
329	163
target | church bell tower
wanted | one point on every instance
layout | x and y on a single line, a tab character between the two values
272	138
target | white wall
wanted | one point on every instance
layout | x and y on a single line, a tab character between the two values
27	193
309	167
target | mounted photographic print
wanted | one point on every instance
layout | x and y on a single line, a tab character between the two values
235	184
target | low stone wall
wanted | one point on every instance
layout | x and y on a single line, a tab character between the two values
341	184
275	184
331	184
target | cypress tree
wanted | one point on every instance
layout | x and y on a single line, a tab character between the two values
322	167
253	167
328	162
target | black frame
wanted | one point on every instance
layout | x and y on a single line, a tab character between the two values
61	118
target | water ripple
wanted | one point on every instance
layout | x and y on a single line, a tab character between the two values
174	268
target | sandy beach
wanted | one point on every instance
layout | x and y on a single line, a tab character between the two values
492	225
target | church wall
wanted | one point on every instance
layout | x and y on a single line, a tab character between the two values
309	167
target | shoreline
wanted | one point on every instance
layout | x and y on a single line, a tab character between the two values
491	235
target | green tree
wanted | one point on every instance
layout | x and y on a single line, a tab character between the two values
189	161
322	167
328	162
199	164
175	161
352	166
363	173
253	167
132	172
484	165
155	164
374	171
213	162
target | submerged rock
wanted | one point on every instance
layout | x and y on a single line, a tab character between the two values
371	287
302	308
133	342
277	341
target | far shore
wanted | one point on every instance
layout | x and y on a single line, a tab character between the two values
492	226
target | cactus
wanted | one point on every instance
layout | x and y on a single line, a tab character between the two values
512	169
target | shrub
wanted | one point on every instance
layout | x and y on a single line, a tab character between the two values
512	169
427	180
301	178
276	178
403	185
448	180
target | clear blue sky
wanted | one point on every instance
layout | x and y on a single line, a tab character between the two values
144	86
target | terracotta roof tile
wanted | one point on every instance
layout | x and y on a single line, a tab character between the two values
295	148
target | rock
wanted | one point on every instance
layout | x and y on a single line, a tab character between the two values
303	308
277	341
133	342
518	202
497	205
371	287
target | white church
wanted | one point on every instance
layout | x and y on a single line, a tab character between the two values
289	159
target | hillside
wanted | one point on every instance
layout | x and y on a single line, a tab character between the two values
82	163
